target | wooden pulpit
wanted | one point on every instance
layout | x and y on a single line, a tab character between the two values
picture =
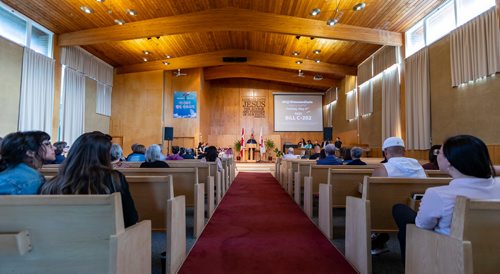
249	153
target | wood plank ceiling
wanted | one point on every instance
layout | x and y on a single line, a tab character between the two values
198	33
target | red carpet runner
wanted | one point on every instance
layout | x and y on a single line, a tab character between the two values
259	229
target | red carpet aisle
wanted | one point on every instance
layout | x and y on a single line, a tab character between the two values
259	229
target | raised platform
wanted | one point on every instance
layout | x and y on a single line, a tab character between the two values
255	167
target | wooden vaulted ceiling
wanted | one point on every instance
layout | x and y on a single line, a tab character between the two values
198	33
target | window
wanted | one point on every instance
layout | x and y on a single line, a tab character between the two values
440	23
415	38
468	9
22	30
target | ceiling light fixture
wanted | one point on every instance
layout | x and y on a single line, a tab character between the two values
296	53
145	59
166	63
318	77
86	9
119	22
298	62
146	52
359	6
317	61
100	1
168	56
332	22
317	51
132	12
315	12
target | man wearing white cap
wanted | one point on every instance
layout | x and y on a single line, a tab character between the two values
397	165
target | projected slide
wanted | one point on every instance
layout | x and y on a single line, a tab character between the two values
298	112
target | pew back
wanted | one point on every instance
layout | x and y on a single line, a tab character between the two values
73	234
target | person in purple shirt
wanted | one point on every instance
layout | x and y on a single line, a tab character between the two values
175	154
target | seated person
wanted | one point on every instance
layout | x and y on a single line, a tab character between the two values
356	153
330	158
466	159
189	154
153	158
132	147
397	165
87	170
211	155
117	159
316	154
309	144
175	154
290	155
58	150
432	164
137	154
21	156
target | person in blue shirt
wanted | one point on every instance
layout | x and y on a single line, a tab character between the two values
330	158
138	154
21	155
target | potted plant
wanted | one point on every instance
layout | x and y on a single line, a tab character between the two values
269	144
237	148
279	154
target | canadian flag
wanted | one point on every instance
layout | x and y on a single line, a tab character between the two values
242	141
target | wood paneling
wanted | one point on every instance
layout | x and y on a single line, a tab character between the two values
253	58
254	72
468	109
137	108
229	19
11	61
224	101
93	121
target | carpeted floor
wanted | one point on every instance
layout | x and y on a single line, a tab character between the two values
258	229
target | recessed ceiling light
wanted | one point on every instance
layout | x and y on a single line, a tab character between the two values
359	6
86	9
166	63
332	22
145	59
315	12
119	22
317	51
132	12
298	62
146	52
168	56
296	53
100	1
317	60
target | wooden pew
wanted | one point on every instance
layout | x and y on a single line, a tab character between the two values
176	229
71	234
150	192
373	212
472	246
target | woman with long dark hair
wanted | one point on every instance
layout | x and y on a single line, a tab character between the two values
466	159
211	155
21	155
88	170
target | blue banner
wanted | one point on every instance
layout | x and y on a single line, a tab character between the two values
184	104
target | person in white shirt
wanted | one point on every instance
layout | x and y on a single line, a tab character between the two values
290	154
397	165
466	159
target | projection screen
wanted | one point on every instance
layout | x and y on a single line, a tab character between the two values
298	112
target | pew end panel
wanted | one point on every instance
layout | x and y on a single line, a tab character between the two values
357	234
428	252
176	234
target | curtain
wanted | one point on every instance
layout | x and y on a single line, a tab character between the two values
37	92
418	108
73	105
365	70
366	98
103	99
384	58
475	49
390	103
351	106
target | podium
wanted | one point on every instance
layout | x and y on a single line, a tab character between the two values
249	153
